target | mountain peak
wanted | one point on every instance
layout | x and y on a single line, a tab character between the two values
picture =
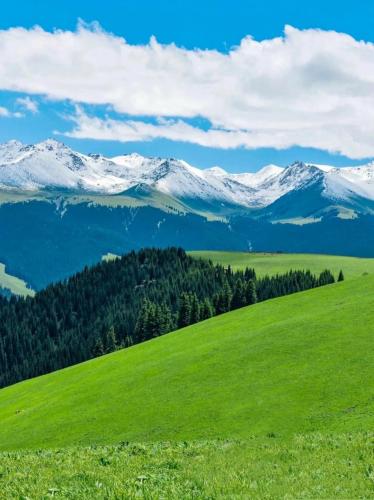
268	170
299	165
128	160
51	144
216	171
12	143
299	168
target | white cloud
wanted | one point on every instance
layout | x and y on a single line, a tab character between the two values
308	88
5	113
28	104
329	139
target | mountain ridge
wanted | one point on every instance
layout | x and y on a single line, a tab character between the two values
53	165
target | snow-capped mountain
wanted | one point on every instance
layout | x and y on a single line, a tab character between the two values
53	165
318	192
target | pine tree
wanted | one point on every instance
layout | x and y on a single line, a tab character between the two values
239	296
249	274
251	293
224	299
184	315
142	323
98	349
153	324
195	309
206	309
326	278
341	276
110	340
167	322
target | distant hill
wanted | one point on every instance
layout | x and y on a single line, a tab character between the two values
273	263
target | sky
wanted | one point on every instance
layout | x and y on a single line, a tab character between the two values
238	83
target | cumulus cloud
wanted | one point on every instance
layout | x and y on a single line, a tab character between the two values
5	113
28	104
323	137
307	88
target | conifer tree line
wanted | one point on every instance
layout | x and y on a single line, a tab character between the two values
129	300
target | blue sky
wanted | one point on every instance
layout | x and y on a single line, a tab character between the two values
214	25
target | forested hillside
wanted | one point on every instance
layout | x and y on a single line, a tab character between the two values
126	301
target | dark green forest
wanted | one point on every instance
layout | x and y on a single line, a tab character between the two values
123	302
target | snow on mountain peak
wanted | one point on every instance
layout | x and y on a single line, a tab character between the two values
9	151
52	164
51	144
324	168
215	171
129	160
11	144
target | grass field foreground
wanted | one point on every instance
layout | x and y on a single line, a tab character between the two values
305	466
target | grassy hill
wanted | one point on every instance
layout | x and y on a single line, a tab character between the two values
278	395
297	364
273	263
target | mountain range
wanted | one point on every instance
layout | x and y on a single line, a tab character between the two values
61	210
300	190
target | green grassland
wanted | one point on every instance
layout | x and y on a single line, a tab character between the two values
274	400
312	466
296	364
273	263
15	285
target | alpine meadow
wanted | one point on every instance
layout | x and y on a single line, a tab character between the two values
186	250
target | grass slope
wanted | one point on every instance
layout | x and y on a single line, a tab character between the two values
273	263
296	364
15	285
